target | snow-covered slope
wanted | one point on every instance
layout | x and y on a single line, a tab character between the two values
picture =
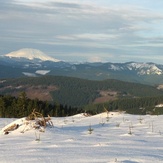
115	138
31	54
145	68
140	68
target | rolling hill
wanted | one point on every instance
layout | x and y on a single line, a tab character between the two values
75	91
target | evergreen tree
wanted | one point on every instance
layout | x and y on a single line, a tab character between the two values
2	107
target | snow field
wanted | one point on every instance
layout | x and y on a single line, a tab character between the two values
121	138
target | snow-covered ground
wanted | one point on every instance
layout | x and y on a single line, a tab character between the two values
120	138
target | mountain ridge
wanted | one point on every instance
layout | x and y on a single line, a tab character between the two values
12	66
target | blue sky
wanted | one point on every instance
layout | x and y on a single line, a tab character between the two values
84	30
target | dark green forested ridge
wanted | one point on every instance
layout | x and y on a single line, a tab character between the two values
77	92
143	105
22	107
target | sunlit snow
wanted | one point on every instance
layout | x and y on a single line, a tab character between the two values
29	74
31	54
42	72
116	137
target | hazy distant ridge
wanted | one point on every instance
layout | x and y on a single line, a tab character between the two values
33	62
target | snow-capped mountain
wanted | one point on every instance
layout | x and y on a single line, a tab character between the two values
32	62
30	54
140	68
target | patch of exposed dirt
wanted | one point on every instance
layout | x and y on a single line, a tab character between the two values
106	96
40	92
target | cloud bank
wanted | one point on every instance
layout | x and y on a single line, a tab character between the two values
79	30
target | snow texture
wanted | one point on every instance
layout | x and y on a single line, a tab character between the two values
116	137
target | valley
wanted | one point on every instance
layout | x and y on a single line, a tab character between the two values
75	91
81	85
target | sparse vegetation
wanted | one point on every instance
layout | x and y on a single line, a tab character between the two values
90	129
130	130
117	124
37	136
140	119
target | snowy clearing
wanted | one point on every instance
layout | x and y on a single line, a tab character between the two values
42	72
116	137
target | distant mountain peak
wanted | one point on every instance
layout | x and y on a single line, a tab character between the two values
145	68
141	68
31	54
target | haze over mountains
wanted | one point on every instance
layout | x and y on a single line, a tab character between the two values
33	62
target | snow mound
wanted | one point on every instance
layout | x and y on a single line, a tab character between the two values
32	122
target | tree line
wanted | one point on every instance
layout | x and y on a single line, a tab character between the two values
22	106
141	105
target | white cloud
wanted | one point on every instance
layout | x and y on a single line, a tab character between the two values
88	27
95	59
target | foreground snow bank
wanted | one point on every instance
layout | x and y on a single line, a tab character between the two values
116	137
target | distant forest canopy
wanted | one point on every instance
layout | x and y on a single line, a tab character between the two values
139	106
77	93
23	106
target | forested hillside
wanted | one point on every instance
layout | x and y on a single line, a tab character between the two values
76	92
23	106
141	106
